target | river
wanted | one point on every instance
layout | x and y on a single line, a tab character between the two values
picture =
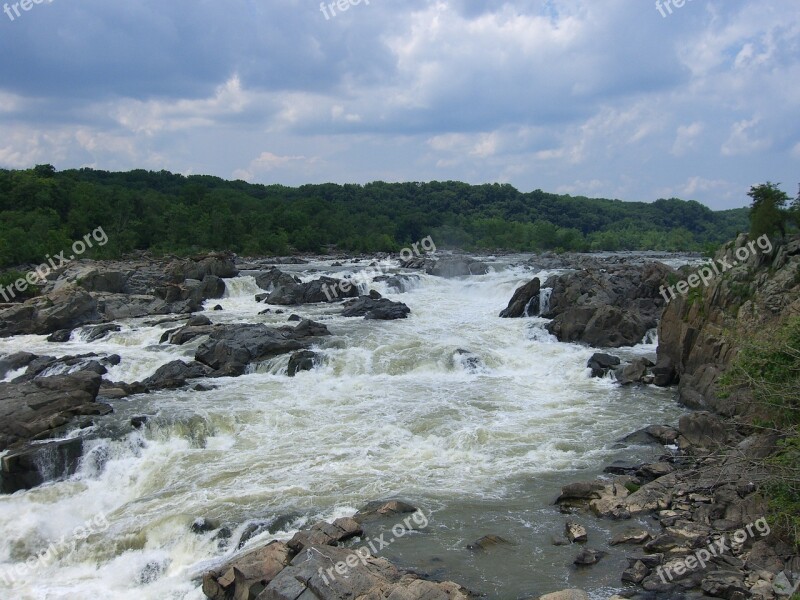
481	446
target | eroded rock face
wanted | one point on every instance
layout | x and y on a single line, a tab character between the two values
607	305
524	302
693	348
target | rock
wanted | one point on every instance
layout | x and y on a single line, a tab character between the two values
398	283
468	361
566	595
487	542
139	421
633	372
324	289
230	348
60	336
218	308
460	266
631	536
725	584
294	318
66	308
203	525
580	491
603	327
326	534
99	331
587	557
198	321
621	467
33	465
31	409
654	434
383	309
328	573
524	302
305	360
380	509
14	362
655	470
175	374
274	278
601	364
664	371
576	533
220	265
781	585
702	429
656	495
635	573
247	576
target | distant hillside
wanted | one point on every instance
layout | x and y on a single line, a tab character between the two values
42	211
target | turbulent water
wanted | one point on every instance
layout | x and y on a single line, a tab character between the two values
481	442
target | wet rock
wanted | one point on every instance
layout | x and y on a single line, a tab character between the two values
383	309
488	542
656	495
220	265
654	434
305	360
66	308
524	302
100	331
601	364
326	534
248	575
14	362
460	266
469	361
273	279
655	470
324	289
725	584
383	509
603	327
204	525
33	465
633	372
631	536
230	348
566	595
635	573
294	318
175	375
587	557
398	283
61	336
198	321
581	491
29	410
576	533
621	467
139	421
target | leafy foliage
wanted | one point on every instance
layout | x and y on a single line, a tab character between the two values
42	210
768	214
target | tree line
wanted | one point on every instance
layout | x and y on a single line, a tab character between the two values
42	210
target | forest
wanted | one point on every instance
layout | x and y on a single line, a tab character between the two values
43	210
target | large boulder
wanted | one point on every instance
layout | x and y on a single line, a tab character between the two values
524	302
175	374
459	266
230	348
217	264
66	308
378	309
600	327
31	409
324	289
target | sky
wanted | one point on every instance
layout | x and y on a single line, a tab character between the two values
601	98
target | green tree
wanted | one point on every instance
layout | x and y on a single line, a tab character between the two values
768	212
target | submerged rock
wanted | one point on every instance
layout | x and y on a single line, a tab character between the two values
382	309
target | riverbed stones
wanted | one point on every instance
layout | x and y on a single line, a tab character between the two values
488	542
326	534
588	556
248	575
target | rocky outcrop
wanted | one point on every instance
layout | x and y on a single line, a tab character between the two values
313	565
89	292
607	306
694	342
376	309
524	302
286	291
448	267
231	348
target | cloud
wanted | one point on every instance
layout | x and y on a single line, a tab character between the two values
597	98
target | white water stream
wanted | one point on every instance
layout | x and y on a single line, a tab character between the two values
391	413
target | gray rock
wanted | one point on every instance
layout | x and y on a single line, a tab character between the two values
305	360
383	309
524	302
601	363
